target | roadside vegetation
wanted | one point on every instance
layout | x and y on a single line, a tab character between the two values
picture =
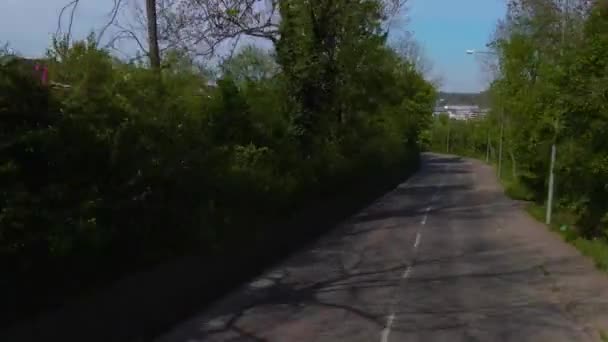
127	165
551	87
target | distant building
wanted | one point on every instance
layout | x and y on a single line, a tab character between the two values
460	112
479	113
439	110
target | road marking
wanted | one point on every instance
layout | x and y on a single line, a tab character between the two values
406	273
387	328
391	318
426	215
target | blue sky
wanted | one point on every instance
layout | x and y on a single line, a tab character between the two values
444	28
28	25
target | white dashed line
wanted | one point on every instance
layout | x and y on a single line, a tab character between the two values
387	328
417	240
406	273
426	215
391	318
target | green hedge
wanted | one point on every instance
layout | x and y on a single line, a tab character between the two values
128	168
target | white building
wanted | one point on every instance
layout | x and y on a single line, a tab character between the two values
461	112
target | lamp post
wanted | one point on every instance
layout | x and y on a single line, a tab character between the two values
550	193
477	52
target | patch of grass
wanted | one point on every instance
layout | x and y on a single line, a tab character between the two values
513	188
536	211
603	336
563	223
517	191
596	249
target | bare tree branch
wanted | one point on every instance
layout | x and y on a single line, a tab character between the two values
113	15
203	25
73	4
393	8
126	34
200	27
236	42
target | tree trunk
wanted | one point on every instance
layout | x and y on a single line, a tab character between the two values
154	52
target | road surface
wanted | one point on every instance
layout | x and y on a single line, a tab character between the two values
443	257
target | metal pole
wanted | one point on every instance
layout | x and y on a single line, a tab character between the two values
488	148
502	129
551	189
448	140
551	182
431	143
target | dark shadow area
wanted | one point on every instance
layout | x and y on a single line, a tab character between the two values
297	296
143	305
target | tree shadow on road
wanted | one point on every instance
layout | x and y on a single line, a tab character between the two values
294	297
296	288
488	287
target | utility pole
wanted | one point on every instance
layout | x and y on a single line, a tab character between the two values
154	51
551	183
474	52
488	147
502	131
551	190
448	138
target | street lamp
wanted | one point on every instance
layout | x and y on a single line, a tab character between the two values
475	52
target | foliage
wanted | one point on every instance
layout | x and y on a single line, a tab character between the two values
251	64
563	224
552	88
124	169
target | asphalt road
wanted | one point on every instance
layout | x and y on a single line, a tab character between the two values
443	257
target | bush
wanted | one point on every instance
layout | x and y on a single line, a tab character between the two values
128	168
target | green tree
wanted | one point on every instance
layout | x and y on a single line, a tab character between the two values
251	64
119	171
